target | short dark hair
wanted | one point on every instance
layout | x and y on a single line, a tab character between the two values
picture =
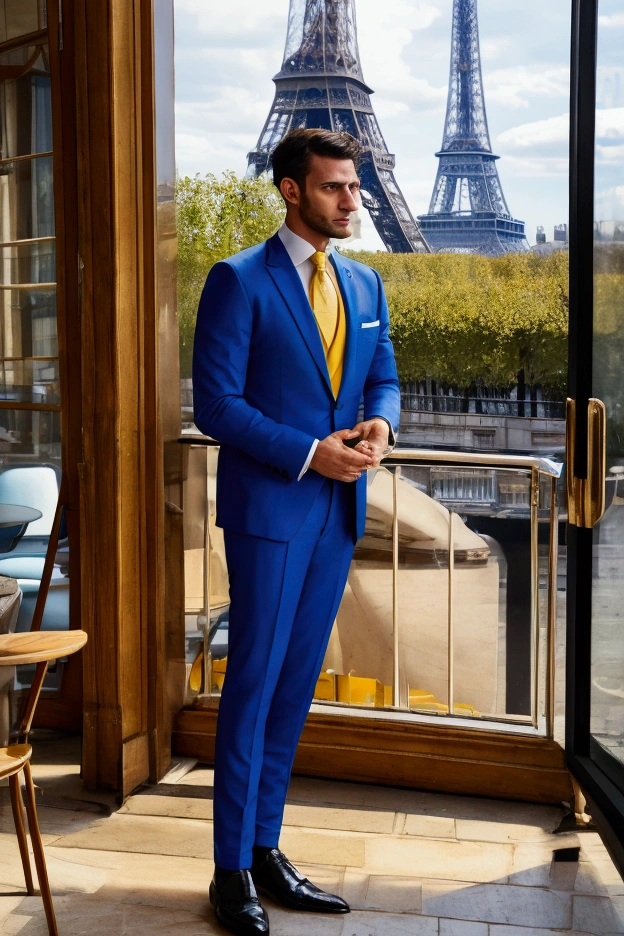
291	157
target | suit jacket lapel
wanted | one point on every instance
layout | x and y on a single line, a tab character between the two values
289	284
345	281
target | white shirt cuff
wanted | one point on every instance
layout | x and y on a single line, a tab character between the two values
306	464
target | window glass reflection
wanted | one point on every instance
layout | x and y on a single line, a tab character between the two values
30	436
28	263
26	199
28	323
607	663
20	17
25	111
28	381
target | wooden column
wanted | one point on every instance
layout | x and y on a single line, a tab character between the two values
108	50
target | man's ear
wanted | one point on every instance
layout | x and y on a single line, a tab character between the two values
290	191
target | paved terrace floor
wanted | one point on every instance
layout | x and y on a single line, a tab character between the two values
410	863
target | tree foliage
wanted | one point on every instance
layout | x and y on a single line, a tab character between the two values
467	320
216	218
608	338
462	320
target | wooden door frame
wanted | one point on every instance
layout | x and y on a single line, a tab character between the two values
113	448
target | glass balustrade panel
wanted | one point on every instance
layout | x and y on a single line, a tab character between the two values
491	627
359	663
206	587
492	631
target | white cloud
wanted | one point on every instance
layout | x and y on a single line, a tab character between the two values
493	49
610	123
512	87
382	43
610	85
552	130
609	155
614	21
237	21
536	167
610	203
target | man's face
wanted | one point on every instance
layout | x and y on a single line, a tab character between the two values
330	195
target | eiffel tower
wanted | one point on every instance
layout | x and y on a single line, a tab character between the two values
468	212
321	85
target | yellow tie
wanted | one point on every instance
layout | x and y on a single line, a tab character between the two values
328	309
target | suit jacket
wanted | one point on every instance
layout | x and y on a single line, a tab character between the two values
261	385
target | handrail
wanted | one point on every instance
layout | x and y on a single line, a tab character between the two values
545	466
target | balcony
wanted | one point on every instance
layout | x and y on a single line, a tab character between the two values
449	625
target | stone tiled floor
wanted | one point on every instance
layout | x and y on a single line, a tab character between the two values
410	863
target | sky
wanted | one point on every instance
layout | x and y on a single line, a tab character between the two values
227	54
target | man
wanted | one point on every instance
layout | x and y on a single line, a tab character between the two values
290	339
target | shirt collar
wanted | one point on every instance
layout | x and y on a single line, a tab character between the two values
298	248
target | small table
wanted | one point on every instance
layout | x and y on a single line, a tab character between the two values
14	514
14	518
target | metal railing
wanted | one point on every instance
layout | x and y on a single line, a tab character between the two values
481	405
409	467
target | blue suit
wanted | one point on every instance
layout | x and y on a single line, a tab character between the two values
261	388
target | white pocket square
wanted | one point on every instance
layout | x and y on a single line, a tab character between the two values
370	324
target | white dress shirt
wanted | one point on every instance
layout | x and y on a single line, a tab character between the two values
300	250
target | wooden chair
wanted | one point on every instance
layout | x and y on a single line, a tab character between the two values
16	649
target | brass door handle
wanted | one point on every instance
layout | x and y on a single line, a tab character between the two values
587	496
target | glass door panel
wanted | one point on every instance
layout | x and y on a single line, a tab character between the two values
30	417
595	429
607	645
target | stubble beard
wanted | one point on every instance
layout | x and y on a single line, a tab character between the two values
319	223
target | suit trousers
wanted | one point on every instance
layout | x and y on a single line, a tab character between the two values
284	598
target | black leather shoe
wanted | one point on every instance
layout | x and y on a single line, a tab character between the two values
237	907
274	875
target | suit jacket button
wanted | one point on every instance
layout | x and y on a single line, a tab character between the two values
338	406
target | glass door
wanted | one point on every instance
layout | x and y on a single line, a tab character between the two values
595	451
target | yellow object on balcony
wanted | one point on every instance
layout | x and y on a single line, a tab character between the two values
359	690
466	709
418	697
197	670
218	674
426	702
326	687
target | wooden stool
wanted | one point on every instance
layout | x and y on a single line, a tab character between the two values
15	649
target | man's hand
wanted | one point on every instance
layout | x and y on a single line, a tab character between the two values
374	434
334	459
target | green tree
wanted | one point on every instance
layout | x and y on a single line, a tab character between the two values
216	218
462	320
466	320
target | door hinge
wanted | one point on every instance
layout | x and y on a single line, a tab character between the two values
587	496
60	25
